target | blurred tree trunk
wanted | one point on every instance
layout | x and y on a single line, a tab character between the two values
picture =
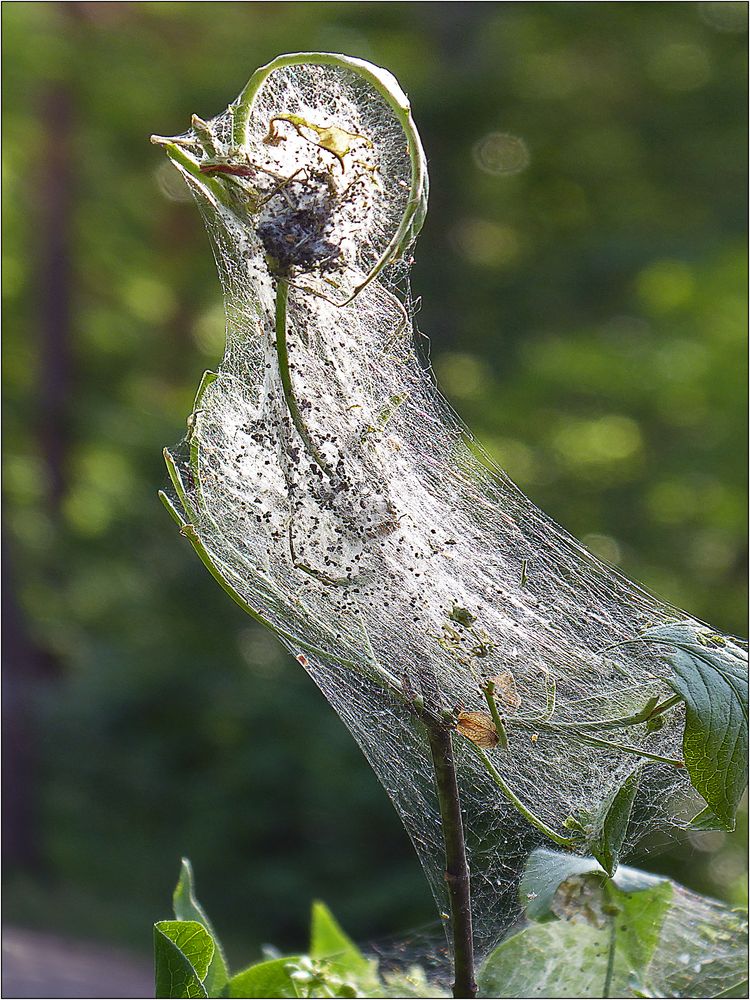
25	664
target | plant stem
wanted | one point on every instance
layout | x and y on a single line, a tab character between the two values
282	353
502	735
514	800
438	724
606	991
649	712
191	166
456	866
665	706
635	751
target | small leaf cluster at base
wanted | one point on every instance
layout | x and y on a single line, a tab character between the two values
588	935
189	961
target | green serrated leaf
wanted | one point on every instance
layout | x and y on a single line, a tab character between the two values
611	824
328	940
183	950
710	674
187	907
266	979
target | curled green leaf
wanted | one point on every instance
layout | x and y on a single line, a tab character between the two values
187	908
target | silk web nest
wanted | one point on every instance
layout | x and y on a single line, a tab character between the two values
331	490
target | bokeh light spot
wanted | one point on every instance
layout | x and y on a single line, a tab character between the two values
604	546
665	285
501	153
608	439
462	376
487	244
87	511
680	67
516	458
550	75
209	331
149	299
678	499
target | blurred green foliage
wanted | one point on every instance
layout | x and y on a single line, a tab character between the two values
582	274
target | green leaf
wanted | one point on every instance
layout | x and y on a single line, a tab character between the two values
706	820
183	950
266	979
640	920
667	940
710	673
703	952
328	940
602	942
547	870
606	951
739	991
544	874
184	903
187	907
537	963
611	824
548	960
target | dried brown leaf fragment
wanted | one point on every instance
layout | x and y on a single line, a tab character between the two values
505	689
479	728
